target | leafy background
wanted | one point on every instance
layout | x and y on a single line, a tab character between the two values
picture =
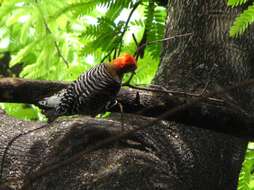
60	39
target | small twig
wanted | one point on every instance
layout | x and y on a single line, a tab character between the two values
142	45
141	51
161	40
136	57
107	55
115	53
126	25
208	81
127	83
50	32
60	54
164	90
135	39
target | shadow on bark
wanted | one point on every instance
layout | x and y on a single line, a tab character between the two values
160	157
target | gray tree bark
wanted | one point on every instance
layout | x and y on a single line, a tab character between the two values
166	155
207	61
169	158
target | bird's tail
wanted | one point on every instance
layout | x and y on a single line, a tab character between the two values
50	102
48	106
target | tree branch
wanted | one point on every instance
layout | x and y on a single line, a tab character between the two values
27	91
206	112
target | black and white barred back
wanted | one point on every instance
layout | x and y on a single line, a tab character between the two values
88	95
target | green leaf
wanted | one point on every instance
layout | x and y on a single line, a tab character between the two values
21	54
24	34
83	7
22	111
245	180
234	3
7	7
242	22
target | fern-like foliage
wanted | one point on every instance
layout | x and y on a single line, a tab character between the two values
246	177
108	34
44	35
154	24
40	30
234	3
242	22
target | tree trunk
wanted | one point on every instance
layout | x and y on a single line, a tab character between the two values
207	61
166	155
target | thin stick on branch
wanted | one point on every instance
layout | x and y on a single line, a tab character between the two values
135	6
161	40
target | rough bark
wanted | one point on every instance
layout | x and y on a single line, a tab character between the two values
167	159
208	60
22	91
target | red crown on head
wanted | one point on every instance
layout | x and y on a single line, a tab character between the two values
125	61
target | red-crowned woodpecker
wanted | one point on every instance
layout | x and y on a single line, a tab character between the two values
92	92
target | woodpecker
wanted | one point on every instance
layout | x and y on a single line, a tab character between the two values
92	93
